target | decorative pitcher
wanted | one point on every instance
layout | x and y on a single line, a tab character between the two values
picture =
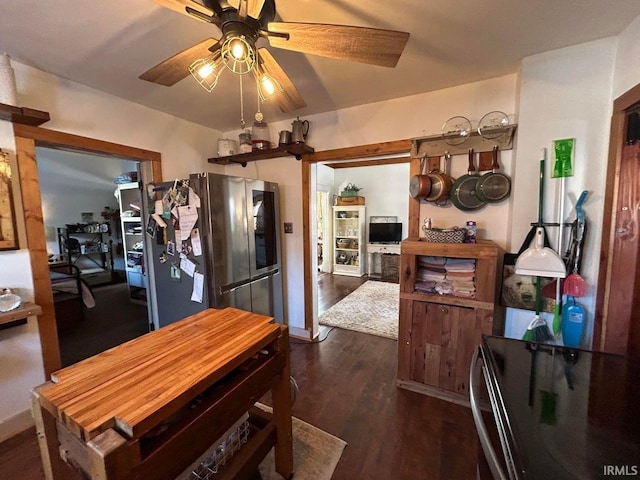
299	130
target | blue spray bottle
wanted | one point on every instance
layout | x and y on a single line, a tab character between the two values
572	322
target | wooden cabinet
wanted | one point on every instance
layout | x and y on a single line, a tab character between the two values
349	241
439	332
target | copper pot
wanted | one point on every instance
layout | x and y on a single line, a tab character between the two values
420	185
440	185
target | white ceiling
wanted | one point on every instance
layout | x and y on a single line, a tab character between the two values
107	44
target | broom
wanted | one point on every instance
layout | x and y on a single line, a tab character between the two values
574	284
538	330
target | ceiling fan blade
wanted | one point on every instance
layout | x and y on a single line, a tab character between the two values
175	68
289	99
251	8
359	44
192	9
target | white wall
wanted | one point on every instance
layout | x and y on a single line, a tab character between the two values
384	188
627	67
83	111
564	94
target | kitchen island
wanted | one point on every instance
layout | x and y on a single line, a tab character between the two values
150	407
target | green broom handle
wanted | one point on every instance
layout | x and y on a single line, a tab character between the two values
541	190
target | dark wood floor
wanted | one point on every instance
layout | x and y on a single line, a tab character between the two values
333	288
347	388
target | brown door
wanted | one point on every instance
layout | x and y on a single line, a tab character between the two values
617	326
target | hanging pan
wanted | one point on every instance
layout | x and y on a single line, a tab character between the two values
420	185
493	186
463	191
441	184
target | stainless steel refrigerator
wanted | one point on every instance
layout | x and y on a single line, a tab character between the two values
234	247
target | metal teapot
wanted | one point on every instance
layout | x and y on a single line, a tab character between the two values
299	130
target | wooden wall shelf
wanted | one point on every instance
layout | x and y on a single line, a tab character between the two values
27	309
23	115
295	149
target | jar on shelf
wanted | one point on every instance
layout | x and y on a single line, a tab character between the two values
260	136
245	141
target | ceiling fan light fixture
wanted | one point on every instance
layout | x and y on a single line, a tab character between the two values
238	54
206	71
267	84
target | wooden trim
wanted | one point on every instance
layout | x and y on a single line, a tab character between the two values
54	139
306	247
414	203
345	154
368	163
362	151
611	326
27	139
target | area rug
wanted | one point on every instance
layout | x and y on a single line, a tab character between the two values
372	308
315	453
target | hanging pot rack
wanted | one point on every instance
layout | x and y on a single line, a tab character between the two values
437	145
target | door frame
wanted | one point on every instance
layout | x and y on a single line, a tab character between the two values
27	138
349	154
612	322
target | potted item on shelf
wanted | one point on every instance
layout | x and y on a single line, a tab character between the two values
349	196
351	190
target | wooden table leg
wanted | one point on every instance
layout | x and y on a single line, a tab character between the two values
53	465
281	396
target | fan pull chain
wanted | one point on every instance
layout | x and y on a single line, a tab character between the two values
258	116
242	122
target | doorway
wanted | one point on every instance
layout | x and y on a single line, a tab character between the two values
27	138
84	200
364	155
618	298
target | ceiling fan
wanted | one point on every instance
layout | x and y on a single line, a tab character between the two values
243	22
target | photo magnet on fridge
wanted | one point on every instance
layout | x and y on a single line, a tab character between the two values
151	226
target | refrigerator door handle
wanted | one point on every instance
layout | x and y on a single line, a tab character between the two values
234	286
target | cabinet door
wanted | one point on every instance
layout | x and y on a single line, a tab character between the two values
442	340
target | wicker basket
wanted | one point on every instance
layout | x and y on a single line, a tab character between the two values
343	243
452	235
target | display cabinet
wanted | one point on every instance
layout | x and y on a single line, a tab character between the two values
438	332
349	241
132	240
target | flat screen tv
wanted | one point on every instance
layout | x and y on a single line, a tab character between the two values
385	232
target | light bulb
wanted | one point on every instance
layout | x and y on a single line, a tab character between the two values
238	50
268	85
206	70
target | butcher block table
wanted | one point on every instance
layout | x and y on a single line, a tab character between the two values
149	408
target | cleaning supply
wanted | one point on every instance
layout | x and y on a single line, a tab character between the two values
540	260
537	330
572	322
574	284
562	168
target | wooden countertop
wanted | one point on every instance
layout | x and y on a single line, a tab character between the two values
136	385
